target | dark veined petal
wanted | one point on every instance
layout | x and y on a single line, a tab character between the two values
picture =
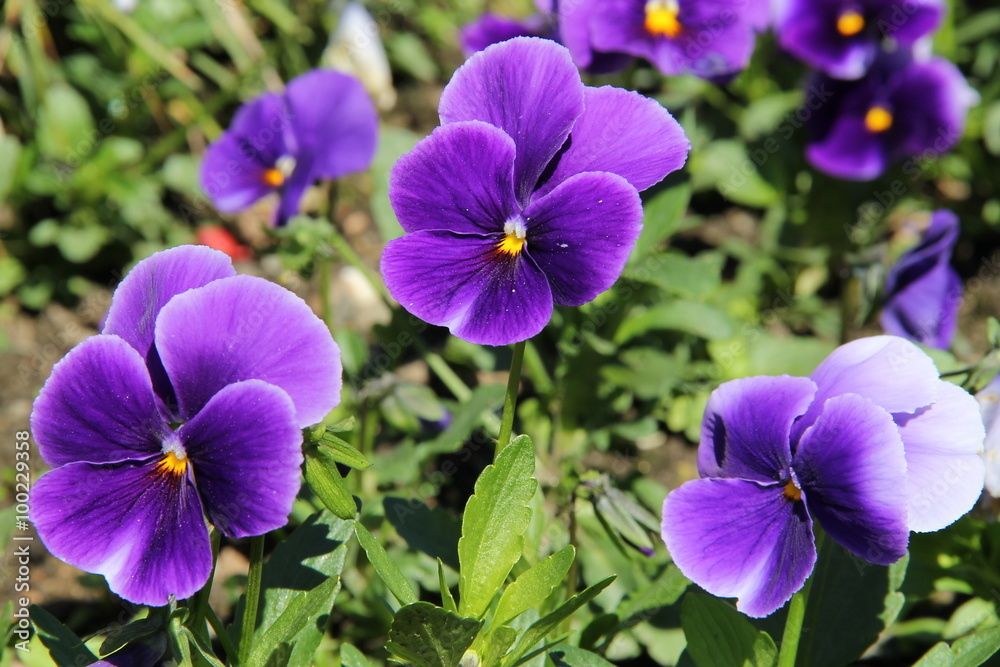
746	428
736	538
245	328
246	449
581	234
459	179
529	88
851	469
463	282
140	527
98	406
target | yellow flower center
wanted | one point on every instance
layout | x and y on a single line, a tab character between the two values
878	119
661	18
172	464
791	491
850	23
511	244
273	178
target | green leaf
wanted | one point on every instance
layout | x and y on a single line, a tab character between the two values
393	142
65	125
497	645
464	420
66	648
341	452
718	635
300	613
663	213
10	156
386	568
446	597
692	317
970	651
564	655
350	656
124	634
493	526
434	531
429	636
327	483
534	586
726	166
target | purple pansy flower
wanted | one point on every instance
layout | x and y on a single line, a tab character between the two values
922	290
843	37
902	108
492	29
323	126
189	405
525	196
872	445
989	405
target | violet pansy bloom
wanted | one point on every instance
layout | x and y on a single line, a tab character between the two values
872	445
188	406
902	108
492	29
323	126
527	195
922	291
843	37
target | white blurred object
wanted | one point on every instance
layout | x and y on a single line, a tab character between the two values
989	406
356	48
125	6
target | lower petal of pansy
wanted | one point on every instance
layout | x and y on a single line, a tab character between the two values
232	177
139	526
852	471
849	150
245	450
581	234
736	538
944	464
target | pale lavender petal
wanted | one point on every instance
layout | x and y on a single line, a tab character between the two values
852	471
581	234
945	468
245	328
141	528
989	405
736	538
246	449
98	406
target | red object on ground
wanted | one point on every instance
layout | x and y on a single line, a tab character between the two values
220	238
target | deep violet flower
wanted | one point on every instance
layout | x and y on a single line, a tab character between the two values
922	290
323	126
843	37
903	107
526	195
189	405
872	445
492	29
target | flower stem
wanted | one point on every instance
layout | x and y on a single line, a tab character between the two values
249	623
220	632
796	614
510	400
199	604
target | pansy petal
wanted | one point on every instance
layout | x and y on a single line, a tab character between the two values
492	29
924	307
919	18
530	89
245	328
141	528
745	431
460	179
736	538
934	100
851	469
465	283
944	464
849	150
581	234
246	449
97	406
989	405
625	133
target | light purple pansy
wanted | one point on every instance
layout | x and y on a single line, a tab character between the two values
189	405
527	195
989	405
872	445
843	37
922	291
323	127
903	108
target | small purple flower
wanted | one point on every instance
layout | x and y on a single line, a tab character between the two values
526	195
189	405
323	126
922	290
902	108
872	445
843	37
492	29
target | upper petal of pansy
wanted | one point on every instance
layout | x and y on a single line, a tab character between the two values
246	449
460	179
625	133
245	328
98	406
736	538
466	283
745	430
808	30
139	526
530	89
918	18
924	307
933	99
851	469
944	464
581	234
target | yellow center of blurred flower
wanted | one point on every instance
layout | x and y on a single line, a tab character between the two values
791	491
172	464
850	23
661	18
273	178
878	119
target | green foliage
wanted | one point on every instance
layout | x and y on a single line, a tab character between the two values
719	636
429	636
